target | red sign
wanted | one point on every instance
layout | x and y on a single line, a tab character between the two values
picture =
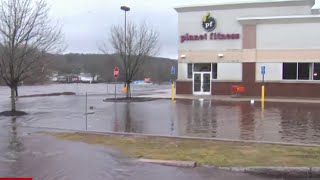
116	72
211	36
15	178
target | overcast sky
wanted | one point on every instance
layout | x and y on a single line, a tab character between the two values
86	23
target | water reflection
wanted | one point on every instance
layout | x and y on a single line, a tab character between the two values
15	142
247	122
286	122
15	145
198	120
240	120
299	123
173	118
124	120
127	119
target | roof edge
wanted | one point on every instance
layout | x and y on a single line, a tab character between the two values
280	19
239	5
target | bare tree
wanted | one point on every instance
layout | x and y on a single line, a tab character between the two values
141	41
27	36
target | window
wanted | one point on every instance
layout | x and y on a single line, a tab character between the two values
204	67
316	71
304	70
289	71
189	71
301	71
215	70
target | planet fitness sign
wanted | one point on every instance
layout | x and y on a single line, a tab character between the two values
209	24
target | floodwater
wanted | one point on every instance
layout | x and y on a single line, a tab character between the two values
280	122
26	153
45	158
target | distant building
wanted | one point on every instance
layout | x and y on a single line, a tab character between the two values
86	77
73	78
221	45
147	80
61	79
54	76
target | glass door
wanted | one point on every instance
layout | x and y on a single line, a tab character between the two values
197	78
201	83
206	83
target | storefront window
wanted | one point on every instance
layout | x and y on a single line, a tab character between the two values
289	71
299	71
316	71
304	70
214	70
203	67
189	71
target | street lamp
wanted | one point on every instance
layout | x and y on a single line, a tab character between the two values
125	9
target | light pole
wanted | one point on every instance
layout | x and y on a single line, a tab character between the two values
125	9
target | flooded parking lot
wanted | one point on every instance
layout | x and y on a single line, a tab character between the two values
280	122
26	153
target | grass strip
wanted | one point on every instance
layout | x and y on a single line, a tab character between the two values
206	152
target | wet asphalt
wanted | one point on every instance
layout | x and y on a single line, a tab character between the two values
45	158
26	153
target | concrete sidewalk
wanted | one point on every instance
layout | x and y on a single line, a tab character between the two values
236	99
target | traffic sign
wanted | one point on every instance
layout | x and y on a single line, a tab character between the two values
173	70
116	72
263	70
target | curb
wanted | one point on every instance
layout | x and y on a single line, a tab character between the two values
294	172
188	164
239	99
172	137
198	138
286	172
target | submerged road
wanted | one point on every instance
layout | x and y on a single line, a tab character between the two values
43	157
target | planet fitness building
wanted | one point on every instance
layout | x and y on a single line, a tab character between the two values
222	45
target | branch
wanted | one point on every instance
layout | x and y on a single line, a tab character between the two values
26	35
141	41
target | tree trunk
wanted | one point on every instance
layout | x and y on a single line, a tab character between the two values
13	100
16	89
128	90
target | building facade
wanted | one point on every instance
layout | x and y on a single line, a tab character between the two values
222	45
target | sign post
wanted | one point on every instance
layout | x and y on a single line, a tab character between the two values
263	72
86	111
173	72
116	76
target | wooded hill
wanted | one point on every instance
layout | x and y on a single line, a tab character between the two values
158	69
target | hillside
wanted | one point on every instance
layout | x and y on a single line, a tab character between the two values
158	69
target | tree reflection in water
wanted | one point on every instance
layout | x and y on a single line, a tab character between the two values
15	143
124	120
